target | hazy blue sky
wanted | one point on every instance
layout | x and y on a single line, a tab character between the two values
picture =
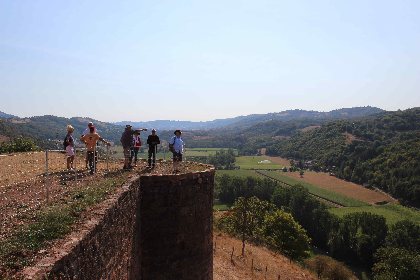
201	60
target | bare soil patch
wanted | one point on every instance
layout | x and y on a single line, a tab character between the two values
337	185
277	265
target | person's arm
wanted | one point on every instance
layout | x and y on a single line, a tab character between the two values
103	140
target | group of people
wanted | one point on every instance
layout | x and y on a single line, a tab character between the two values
90	138
131	143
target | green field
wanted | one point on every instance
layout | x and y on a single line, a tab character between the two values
392	212
253	162
203	152
313	189
189	152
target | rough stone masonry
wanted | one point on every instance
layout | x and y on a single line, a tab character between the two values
156	227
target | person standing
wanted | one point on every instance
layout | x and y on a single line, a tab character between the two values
91	139
69	147
152	141
136	146
87	131
176	146
127	142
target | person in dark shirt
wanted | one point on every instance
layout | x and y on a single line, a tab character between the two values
127	142
152	141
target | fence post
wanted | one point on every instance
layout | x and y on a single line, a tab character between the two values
74	164
107	158
47	187
94	159
164	152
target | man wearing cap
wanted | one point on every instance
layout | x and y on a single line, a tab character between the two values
87	131
91	139
176	146
152	141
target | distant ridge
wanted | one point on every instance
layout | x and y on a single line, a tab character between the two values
249	120
6	116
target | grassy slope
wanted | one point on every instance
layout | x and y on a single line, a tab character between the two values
392	212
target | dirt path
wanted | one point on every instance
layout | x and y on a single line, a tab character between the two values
240	268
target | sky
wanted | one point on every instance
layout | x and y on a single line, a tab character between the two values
202	60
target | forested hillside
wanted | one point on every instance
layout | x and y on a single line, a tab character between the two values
243	122
45	129
381	151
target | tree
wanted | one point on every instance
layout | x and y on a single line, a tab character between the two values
396	263
281	232
327	268
404	234
359	235
223	159
19	144
246	217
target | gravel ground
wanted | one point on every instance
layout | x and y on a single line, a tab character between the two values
23	184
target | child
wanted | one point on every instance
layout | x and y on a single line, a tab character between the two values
69	147
136	146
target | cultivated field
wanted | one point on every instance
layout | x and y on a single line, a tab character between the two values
164	153
257	162
278	160
392	212
316	190
334	184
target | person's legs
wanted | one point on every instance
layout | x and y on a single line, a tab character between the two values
68	162
149	157
71	161
127	155
90	160
136	152
177	158
95	155
131	154
154	157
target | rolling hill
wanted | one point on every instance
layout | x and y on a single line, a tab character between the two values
6	116
250	120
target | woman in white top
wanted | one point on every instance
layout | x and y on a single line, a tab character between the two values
69	146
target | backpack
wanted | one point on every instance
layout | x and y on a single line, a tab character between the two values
171	146
66	141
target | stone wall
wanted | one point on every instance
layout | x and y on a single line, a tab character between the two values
176	227
155	227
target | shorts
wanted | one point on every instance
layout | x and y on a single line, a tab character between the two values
177	156
69	151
